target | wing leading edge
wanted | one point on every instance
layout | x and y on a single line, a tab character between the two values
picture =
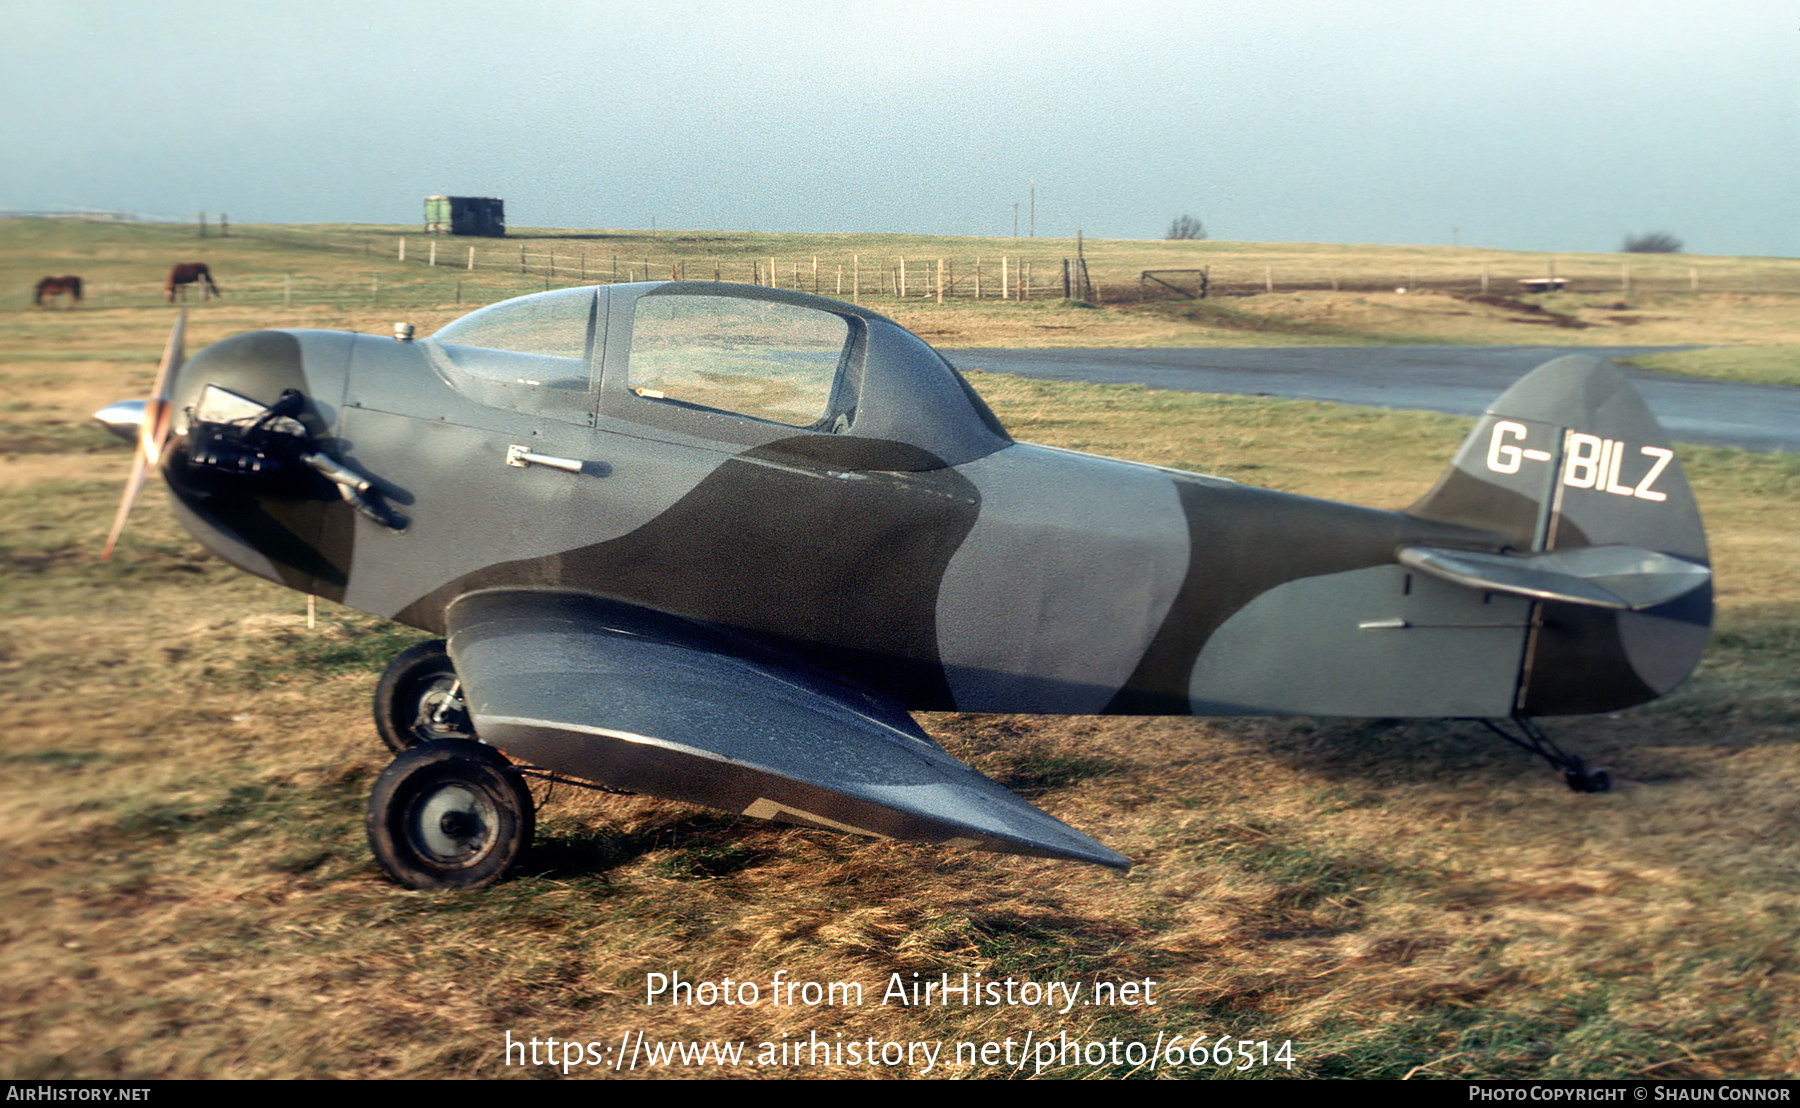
640	701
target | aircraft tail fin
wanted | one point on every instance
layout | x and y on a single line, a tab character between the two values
1570	459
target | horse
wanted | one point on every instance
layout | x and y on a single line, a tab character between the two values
188	273
58	286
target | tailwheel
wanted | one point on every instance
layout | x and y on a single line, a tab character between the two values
419	698
450	814
1532	738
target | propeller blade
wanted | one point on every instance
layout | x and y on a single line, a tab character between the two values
153	431
140	468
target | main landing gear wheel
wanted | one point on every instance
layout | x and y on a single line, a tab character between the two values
419	699
450	814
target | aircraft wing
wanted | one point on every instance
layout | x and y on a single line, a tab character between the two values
663	706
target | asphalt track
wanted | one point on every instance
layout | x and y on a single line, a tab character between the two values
1461	380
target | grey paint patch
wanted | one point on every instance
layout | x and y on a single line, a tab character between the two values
1069	571
1380	641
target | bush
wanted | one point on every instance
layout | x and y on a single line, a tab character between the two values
1185	227
1655	242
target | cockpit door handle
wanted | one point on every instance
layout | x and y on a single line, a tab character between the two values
522	456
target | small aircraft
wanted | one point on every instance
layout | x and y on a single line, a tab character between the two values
715	543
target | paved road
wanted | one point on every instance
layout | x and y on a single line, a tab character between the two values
1461	380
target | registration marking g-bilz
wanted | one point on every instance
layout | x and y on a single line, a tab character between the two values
1589	461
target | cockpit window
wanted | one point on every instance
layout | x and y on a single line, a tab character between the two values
760	358
533	353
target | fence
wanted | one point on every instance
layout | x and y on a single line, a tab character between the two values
854	276
1489	279
1043	275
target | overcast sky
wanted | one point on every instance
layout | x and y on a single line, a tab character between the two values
1528	124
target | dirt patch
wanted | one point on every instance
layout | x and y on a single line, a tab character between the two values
1535	313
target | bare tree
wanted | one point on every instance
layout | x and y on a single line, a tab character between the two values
1185	227
1654	242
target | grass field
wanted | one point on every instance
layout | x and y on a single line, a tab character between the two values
189	893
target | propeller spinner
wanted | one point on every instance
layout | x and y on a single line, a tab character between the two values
152	418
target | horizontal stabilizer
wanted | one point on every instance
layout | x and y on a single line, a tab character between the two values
1625	578
662	706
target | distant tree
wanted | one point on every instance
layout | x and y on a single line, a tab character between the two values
1185	227
1655	242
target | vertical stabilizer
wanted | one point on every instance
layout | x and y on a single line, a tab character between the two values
1567	458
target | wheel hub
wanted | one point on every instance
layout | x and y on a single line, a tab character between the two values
442	714
454	824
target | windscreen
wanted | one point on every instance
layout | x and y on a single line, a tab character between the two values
533	353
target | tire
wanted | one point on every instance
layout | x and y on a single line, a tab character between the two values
449	814
419	699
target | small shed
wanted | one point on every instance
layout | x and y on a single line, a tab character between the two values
465	215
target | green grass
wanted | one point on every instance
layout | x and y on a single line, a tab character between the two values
1762	365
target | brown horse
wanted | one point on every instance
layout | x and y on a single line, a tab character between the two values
188	273
58	286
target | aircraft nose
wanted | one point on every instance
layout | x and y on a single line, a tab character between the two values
124	418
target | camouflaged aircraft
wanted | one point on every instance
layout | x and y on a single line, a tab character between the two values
715	543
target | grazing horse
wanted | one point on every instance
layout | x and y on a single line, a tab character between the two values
58	286
188	273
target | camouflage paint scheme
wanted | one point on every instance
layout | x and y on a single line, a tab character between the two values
741	611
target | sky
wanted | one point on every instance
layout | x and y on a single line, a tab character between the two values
1527	125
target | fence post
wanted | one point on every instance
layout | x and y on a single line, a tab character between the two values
402	248
1066	279
471	259
1005	280
940	282
521	257
900	288
978	277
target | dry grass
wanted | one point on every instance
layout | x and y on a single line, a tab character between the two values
189	894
